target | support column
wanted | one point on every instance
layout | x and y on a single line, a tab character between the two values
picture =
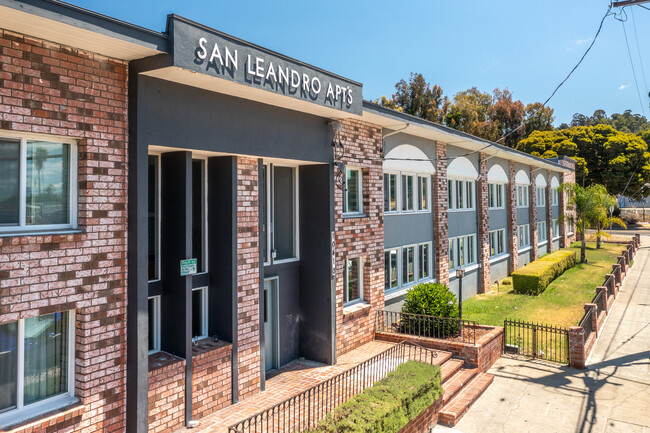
532	211
549	213
440	223
577	347
513	260
594	317
483	225
603	291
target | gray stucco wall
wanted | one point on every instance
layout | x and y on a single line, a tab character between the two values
499	269
524	258
556	244
541	213
426	146
498	219
523	216
555	211
406	229
542	249
470	284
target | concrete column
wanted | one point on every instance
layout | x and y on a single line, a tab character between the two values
577	347
483	225
532	211
513	260
440	222
549	213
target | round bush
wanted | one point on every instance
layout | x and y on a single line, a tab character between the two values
431	299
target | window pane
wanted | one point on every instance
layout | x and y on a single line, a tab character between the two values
424	193
452	251
470	194
408	257
48	183
409	193
283	212
387	270
393	192
265	211
8	364
10	185
353	193
152	221
393	268
46	356
353	279
198	211
459	194
450	194
386	192
424	261
153	324
197	313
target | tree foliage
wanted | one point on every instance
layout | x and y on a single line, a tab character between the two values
625	122
604	155
418	98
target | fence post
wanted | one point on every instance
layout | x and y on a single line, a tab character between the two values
626	255
622	260
603	294
577	347
594	317
616	270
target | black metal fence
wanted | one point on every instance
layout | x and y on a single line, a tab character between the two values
303	411
599	300
533	340
443	328
587	323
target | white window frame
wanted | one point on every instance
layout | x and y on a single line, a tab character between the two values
158	211
269	259
464	249
422	192
22	226
204	313
420	262
24	412
397	192
523	196
359	188
541	198
204	219
465	186
523	233
398	253
542	235
404	194
347	302
496	195
156	332
498	239
556	228
554	197
415	265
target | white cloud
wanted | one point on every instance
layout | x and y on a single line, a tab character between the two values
583	41
623	86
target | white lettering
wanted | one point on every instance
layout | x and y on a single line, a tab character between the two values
230	59
295	78
271	72
283	75
248	66
338	92
314	89
330	92
216	54
305	82
203	53
259	67
349	96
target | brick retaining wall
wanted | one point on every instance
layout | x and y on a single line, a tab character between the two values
211	377
166	393
425	420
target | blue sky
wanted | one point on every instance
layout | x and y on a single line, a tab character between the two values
528	47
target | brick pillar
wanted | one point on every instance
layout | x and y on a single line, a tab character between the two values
532	211
440	225
577	358
248	279
623	266
594	316
603	290
513	260
483	225
549	213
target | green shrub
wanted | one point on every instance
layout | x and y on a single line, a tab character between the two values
389	404
431	299
533	278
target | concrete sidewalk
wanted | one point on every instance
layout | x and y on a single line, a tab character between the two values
611	395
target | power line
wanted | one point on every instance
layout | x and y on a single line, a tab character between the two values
638	49
636	83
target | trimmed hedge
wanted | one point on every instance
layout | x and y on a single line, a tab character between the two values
533	278
389	404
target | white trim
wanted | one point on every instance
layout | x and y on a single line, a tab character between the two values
406	157
419	262
156	333
497	187
397	197
496	174
540	181
359	211
403	185
542	243
415	265
462	168
419	178
524	249
270	229
554	182
499	258
395	293
522	178
359	278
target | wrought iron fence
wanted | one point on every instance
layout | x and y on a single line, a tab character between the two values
586	323
303	411
533	340
610	284
599	301
418	325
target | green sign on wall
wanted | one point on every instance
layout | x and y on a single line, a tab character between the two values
188	267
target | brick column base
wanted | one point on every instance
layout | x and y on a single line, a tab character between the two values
603	291
577	347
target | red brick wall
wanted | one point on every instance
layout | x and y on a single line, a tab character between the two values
46	88
532	206
248	278
440	224
166	393
211	377
549	212
483	226
425	420
513	247
360	236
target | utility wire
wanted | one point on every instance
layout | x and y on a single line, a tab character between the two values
636	83
638	49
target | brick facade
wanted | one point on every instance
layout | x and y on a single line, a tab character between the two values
361	236
483	226
425	420
51	89
549	212
166	393
248	278
511	228
211	377
440	222
532	207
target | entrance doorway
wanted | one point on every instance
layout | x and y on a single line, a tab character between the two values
271	334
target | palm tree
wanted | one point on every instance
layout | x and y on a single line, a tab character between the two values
584	202
603	218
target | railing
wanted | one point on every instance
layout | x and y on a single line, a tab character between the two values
586	324
599	301
536	341
418	325
303	411
610	284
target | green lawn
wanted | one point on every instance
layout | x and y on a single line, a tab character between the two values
562	301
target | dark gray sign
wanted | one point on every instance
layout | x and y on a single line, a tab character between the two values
210	52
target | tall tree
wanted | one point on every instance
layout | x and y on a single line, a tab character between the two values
538	118
624	122
470	113
586	204
508	115
418	98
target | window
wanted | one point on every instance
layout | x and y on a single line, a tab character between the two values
390	192
38	189
282	217
460	194
198	214
36	362
541	231
154	324
408	192
353	200
523	233
408	265
353	281
153	221
554	197
462	251
497	242
390	269
495	195
424	257
423	193
540	196
199	313
556	228
522	195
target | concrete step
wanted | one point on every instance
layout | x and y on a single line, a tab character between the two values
455	383
449	368
453	410
442	357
